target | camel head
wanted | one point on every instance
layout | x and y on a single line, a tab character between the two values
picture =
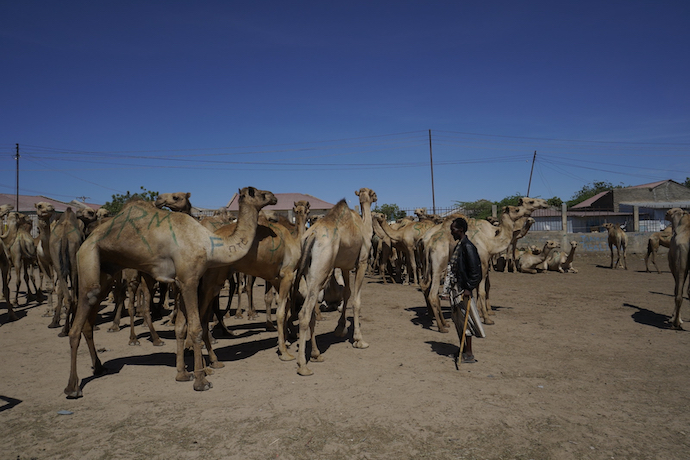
301	207
573	244
86	215
378	216
102	213
674	212
533	203
176	202
366	195
257	198
5	209
44	210
550	245
516	212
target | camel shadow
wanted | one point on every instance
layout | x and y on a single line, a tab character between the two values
443	348
9	403
649	318
115	365
424	319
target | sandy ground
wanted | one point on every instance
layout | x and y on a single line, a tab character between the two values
577	366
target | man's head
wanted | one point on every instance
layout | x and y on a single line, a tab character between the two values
458	228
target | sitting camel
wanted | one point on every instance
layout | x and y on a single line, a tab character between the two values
560	261
662	238
530	263
619	239
678	250
172	247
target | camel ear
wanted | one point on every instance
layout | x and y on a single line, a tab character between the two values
357	192
188	195
252	191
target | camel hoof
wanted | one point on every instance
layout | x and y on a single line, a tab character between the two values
340	331
491	313
488	321
304	371
12	317
158	343
73	394
286	357
114	328
238	316
53	325
63	334
184	377
443	330
208	371
270	327
134	343
48	314
317	359
361	344
203	385
216	365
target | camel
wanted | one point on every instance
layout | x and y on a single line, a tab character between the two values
65	239
530	205
20	250
172	248
178	202
340	239
530	263
438	245
561	262
407	236
45	212
619	239
678	250
384	248
662	238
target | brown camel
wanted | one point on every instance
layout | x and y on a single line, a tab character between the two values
530	205
531	263
21	252
65	239
5	265
619	239
172	247
678	250
178	202
561	262
45	212
340	239
439	244
384	249
407	236
662	238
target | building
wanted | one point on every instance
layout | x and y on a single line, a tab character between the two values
640	208
317	207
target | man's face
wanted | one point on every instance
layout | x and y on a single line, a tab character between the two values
457	233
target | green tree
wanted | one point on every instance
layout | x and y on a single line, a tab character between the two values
480	209
555	202
119	200
687	182
391	211
589	190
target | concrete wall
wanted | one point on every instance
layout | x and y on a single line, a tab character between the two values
588	242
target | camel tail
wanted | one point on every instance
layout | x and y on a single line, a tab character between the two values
425	282
26	248
305	258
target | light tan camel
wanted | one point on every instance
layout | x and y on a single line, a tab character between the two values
178	202
678	250
65	239
530	263
407	236
21	252
340	239
172	247
384	249
662	238
5	264
44	212
438	245
530	205
561	262
619	239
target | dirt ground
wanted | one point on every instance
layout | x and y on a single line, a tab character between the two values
577	366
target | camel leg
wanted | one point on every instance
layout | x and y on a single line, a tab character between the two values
611	249
11	315
433	302
341	329
625	259
251	312
268	300
180	337
357	307
147	290
61	289
306	329
679	268
281	316
119	298
51	289
194	331
132	289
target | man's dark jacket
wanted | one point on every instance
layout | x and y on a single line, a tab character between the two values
466	265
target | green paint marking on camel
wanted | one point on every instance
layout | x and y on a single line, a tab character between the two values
166	217
216	242
128	218
274	248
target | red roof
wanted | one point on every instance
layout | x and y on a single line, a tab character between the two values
26	203
590	201
286	201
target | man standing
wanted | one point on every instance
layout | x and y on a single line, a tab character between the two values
464	275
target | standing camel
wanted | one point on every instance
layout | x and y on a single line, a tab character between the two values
407	237
662	238
21	252
340	239
530	205
172	248
619	239
5	265
678	250
45	212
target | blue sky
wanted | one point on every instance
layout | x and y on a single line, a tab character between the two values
327	97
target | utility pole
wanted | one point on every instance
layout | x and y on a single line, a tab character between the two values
17	197
531	171
431	162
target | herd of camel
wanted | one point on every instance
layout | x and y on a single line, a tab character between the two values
90	254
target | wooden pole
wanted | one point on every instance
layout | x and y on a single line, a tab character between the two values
17	197
531	171
464	328
431	162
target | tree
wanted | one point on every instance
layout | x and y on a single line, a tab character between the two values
555	202
119	200
687	182
391	211
589	190
480	209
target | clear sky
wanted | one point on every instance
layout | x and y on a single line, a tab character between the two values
323	98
